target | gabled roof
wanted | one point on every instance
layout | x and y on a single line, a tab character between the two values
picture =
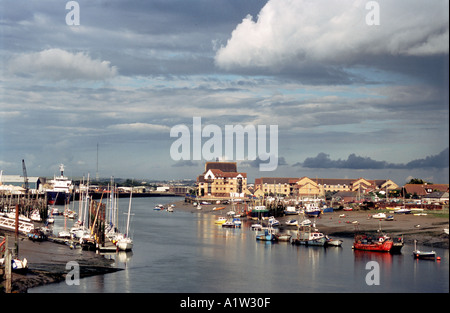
424	189
223	166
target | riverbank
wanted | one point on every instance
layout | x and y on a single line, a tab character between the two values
426	229
47	263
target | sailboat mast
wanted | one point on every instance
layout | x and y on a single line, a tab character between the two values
129	211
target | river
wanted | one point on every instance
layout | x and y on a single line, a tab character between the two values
185	252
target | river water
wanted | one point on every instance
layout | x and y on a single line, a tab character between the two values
185	252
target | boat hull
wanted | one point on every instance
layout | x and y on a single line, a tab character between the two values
385	246
316	242
424	255
58	198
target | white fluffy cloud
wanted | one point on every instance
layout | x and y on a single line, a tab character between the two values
290	33
58	64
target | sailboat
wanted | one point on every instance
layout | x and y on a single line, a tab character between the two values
424	255
125	243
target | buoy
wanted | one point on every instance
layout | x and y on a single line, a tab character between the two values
438	258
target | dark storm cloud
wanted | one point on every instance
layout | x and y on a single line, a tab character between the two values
322	160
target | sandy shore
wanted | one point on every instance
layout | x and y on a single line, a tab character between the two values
426	229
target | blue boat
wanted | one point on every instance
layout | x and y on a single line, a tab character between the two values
268	235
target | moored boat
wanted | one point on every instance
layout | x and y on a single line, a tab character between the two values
269	235
333	242
220	220
309	236
292	223
61	190
423	255
367	243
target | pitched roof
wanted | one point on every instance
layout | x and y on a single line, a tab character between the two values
223	166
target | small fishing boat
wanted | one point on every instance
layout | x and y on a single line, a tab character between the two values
221	220
228	224
36	235
290	210
347	209
333	242
256	226
389	218
379	216
306	222
269	235
312	210
292	223
310	237
423	255
402	210
273	221
367	243
170	209
159	207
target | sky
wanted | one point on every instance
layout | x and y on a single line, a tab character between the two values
355	88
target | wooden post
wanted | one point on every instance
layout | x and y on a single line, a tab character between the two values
7	267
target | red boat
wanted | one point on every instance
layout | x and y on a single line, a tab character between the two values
380	244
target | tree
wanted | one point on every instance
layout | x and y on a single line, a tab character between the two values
418	181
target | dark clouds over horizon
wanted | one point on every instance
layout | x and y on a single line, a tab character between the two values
322	160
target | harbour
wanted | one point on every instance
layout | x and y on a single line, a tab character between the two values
185	251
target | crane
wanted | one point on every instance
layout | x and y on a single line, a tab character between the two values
25	178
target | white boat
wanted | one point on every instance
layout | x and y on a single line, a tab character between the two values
379	215
402	210
17	265
273	221
64	234
170	209
199	207
290	210
446	230
256	226
35	216
333	242
126	243
231	213
306	222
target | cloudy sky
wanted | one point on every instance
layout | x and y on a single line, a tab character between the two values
357	88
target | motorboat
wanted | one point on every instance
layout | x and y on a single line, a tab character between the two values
256	226
307	235
221	220
273	221
292	223
379	216
333	242
269	235
424	255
